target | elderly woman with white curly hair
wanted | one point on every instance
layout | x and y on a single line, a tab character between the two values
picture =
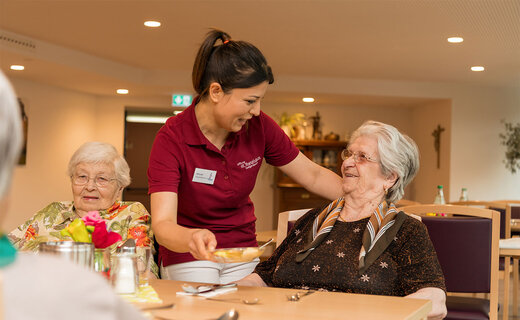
98	176
360	243
38	286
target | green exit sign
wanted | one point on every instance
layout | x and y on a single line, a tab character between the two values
181	100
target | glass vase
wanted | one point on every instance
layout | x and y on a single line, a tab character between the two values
102	262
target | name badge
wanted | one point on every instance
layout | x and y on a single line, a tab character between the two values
204	176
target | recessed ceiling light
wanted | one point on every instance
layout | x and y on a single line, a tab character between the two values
17	67
455	39
152	24
477	68
122	91
308	99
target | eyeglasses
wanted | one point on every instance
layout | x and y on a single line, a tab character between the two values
100	181
359	157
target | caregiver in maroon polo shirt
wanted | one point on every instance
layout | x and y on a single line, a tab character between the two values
204	163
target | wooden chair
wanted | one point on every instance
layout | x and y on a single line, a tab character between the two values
502	207
509	210
286	221
466	242
405	202
515	208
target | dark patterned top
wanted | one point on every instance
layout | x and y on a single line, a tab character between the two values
408	264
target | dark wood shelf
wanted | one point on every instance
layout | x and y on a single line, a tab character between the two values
288	195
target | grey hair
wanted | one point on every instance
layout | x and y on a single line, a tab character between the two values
10	134
100	152
398	154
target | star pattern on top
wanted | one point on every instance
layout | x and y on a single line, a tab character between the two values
299	240
297	232
329	241
365	278
316	268
340	255
357	230
383	265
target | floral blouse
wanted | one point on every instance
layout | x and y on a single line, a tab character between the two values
129	219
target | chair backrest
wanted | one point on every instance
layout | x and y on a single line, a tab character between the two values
515	210
286	221
466	243
503	208
405	202
515	207
508	201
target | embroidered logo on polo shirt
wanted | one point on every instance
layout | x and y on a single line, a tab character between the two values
249	164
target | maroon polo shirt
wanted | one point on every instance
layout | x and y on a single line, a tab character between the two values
221	205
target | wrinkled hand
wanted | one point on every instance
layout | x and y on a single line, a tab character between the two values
202	243
438	298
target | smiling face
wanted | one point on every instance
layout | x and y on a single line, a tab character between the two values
90	197
236	107
364	180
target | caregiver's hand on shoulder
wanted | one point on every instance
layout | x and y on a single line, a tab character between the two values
202	243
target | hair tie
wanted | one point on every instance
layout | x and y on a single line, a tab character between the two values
225	41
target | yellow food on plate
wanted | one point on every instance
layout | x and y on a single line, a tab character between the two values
237	254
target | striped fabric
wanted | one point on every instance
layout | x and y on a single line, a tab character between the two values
381	220
321	227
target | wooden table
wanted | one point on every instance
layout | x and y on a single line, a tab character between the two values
274	305
515	255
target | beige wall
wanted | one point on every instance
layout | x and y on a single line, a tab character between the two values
425	120
61	120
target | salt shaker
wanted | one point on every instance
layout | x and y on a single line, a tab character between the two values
123	275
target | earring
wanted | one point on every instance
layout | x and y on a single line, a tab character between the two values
386	191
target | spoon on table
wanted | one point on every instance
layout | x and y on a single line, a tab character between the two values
266	244
229	315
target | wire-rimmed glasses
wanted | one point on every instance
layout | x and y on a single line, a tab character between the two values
359	157
99	181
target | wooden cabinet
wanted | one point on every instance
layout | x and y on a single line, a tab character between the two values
288	195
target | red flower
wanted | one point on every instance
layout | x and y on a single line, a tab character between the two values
138	233
103	238
30	233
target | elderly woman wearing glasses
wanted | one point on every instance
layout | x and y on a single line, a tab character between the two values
98	176
360	243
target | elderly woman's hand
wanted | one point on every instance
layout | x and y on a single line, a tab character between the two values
438	298
202	243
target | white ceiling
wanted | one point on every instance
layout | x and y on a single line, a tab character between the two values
97	46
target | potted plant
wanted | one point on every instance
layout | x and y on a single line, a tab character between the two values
293	125
511	139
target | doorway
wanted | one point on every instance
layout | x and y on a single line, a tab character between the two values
140	130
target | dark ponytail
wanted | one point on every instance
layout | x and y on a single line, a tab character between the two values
232	64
